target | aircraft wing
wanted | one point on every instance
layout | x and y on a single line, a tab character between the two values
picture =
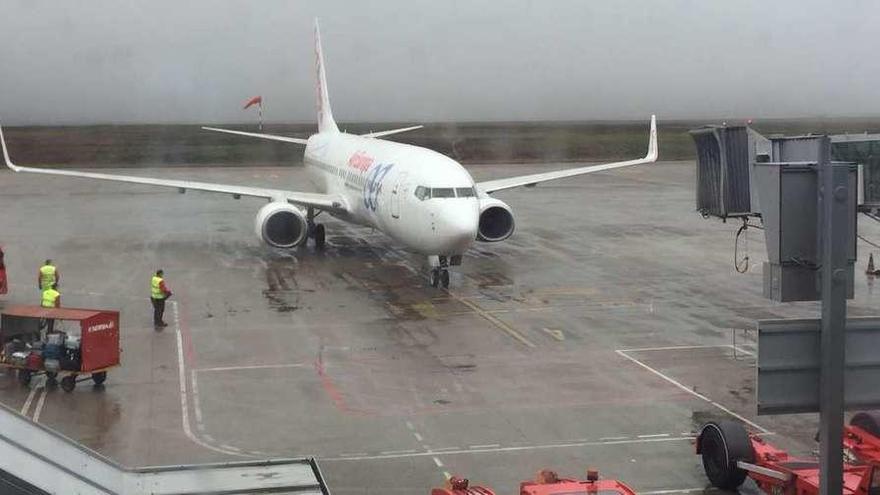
391	131
319	201
533	179
270	137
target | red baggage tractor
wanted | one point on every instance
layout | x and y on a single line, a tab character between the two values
98	345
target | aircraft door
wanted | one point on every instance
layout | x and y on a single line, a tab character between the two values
397	194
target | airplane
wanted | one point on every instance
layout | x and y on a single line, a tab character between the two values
421	199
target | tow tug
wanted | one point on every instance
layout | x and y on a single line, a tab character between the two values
547	482
730	455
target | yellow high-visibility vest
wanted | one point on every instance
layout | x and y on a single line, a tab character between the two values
49	298
47	276
156	288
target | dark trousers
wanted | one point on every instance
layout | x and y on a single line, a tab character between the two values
158	311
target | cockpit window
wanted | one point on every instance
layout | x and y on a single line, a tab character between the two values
442	192
423	193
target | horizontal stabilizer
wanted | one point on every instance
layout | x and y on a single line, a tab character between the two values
392	131
270	137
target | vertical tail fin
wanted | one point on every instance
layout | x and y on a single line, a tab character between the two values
325	115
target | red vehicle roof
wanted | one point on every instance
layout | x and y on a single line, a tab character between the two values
71	314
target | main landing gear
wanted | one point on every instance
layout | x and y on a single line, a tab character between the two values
440	269
316	230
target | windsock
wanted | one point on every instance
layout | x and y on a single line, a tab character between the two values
256	100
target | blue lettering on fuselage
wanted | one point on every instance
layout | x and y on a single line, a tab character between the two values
373	184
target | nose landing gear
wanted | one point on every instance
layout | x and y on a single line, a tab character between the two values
440	277
440	269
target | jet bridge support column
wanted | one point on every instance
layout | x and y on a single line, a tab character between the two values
834	225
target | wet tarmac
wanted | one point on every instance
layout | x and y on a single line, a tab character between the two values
602	334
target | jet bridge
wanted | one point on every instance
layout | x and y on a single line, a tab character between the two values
37	460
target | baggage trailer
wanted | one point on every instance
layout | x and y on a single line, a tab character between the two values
69	355
730	455
547	482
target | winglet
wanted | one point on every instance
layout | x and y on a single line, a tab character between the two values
652	141
8	160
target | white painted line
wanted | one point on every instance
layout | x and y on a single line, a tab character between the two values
254	367
230	447
486	446
675	348
437	462
418	437
444	449
690	347
27	403
197	407
393	452
605	439
447	475
744	351
356	454
42	401
657	435
184	397
410	426
695	394
521	448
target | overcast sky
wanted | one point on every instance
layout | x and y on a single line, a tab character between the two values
101	61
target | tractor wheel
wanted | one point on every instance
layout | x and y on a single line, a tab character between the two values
24	377
722	444
68	383
99	377
868	421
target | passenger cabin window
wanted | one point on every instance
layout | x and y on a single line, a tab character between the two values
465	192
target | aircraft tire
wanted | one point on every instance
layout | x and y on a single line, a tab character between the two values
320	236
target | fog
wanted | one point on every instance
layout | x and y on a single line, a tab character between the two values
116	61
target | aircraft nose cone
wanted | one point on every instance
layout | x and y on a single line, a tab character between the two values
458	230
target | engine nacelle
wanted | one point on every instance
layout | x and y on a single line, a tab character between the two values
281	225
496	220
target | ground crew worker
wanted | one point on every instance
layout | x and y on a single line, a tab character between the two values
3	287
51	299
158	294
47	275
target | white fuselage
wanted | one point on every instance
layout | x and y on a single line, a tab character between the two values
418	197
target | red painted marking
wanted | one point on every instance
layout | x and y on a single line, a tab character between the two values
333	391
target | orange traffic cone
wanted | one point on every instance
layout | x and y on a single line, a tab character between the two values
871	270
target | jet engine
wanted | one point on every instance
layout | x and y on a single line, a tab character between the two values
281	225
496	220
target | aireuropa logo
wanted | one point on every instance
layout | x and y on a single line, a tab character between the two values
373	185
100	327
